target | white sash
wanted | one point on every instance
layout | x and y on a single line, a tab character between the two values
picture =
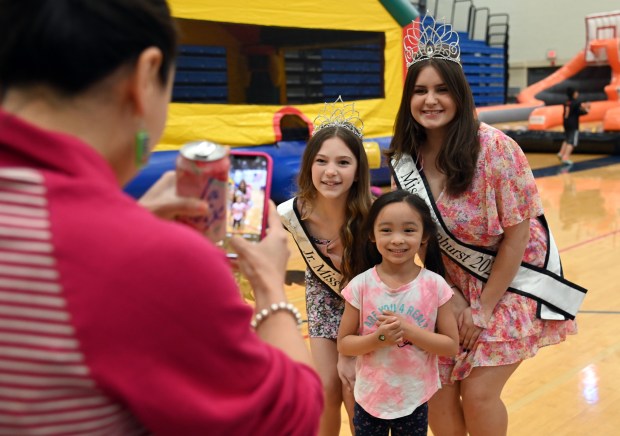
558	299
320	266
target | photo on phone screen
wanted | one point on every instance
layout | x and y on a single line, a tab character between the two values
249	187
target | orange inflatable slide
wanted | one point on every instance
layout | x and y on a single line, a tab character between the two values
594	71
607	111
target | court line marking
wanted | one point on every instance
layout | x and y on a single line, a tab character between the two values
588	241
583	165
601	312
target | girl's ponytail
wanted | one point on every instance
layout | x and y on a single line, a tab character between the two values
432	253
432	259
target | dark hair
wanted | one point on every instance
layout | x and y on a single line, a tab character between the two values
358	200
459	154
432	258
70	45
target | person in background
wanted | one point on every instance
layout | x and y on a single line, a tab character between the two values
245	191
325	220
237	211
572	109
496	245
397	319
112	320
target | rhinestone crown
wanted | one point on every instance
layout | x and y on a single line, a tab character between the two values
431	40
339	114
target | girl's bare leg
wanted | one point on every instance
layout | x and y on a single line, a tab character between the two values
325	356
484	410
445	413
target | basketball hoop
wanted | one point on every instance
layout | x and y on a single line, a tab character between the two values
598	49
600	27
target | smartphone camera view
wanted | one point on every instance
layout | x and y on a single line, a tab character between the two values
248	195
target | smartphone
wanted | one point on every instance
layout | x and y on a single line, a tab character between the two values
249	189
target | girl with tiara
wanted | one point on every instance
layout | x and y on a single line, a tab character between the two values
325	220
510	294
397	319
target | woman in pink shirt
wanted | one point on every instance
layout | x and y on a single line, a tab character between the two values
112	320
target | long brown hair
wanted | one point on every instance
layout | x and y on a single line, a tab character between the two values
358	200
459	153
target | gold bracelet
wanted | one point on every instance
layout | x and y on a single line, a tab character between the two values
276	307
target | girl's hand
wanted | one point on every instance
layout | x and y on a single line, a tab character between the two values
387	314
468	331
486	314
346	371
390	329
407	328
459	303
162	200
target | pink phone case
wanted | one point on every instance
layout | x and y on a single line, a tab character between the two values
269	169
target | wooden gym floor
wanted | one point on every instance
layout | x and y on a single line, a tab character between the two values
570	389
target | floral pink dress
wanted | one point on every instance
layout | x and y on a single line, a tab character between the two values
503	194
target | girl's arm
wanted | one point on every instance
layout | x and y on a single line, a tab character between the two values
346	371
504	270
459	302
505	267
444	341
352	344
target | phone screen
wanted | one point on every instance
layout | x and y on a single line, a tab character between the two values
249	188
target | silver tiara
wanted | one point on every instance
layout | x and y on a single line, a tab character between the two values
339	114
432	40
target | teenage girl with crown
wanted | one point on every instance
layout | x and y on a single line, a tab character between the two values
482	191
325	219
397	319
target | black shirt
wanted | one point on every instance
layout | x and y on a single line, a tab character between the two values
572	111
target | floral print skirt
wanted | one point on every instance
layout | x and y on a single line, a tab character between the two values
324	308
514	334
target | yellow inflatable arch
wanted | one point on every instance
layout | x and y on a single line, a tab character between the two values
245	66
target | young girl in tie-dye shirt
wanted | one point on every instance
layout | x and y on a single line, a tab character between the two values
398	319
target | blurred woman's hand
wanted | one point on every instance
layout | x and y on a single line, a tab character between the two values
264	263
163	201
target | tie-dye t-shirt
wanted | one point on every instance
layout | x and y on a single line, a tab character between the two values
392	382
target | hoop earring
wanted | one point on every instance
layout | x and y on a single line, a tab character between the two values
141	147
